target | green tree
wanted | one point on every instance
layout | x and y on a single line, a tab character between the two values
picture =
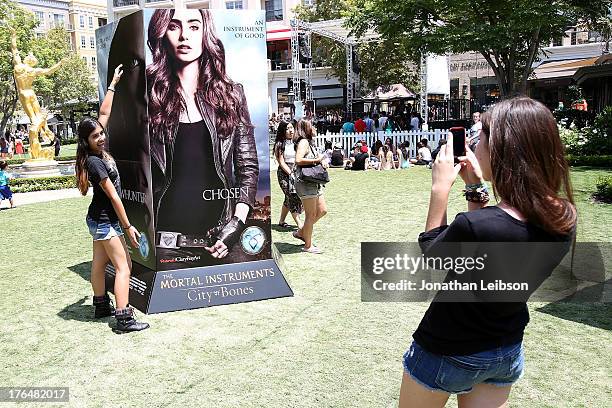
24	23
72	82
381	62
508	34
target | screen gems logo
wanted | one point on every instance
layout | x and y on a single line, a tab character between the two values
143	246
252	240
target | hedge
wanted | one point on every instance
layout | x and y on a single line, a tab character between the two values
24	185
604	188
12	162
592	161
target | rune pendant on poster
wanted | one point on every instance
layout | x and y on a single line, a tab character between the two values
193	155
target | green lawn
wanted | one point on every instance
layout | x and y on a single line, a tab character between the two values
321	348
65	151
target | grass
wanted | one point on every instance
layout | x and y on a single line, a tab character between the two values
321	348
65	151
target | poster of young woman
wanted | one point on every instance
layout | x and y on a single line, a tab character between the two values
207	90
189	127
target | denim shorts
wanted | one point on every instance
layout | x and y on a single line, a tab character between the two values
501	366
101	231
306	189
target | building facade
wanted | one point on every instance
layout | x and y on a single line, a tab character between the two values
472	78
79	17
85	17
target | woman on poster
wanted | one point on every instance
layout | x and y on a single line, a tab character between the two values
205	167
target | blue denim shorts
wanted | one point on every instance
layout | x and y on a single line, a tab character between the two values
501	366
101	231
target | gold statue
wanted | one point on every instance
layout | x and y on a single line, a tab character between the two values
25	74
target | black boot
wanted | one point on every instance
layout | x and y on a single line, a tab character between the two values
126	322
104	306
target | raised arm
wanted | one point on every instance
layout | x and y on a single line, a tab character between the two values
50	70
14	50
107	103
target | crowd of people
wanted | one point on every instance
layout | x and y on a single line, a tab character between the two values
14	143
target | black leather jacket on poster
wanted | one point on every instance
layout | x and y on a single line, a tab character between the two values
235	157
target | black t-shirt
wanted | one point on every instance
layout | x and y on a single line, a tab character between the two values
98	169
337	158
462	328
359	163
194	200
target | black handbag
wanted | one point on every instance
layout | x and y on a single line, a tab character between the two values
315	173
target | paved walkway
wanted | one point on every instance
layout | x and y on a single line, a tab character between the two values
41	196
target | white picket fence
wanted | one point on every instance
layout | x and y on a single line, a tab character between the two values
348	140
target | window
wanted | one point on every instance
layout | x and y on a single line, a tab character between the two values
40	16
93	63
85	60
58	20
274	10
82	41
233	5
92	42
308	3
557	41
573	38
101	22
90	21
82	21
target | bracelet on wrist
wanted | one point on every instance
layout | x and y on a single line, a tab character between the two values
128	227
476	193
111	88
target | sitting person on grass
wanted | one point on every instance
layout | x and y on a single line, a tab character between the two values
337	156
423	155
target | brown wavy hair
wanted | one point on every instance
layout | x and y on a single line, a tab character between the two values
528	166
165	100
303	130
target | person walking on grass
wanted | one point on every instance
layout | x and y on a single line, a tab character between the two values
310	193
284	152
106	216
475	348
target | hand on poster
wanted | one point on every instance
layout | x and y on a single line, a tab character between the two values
226	238
117	75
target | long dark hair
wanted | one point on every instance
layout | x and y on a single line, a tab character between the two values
528	166
86	126
281	137
165	100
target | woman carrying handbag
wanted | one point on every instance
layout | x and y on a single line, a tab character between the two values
309	191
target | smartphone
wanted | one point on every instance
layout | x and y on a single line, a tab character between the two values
458	141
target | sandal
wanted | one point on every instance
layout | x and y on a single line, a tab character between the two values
312	250
284	225
295	235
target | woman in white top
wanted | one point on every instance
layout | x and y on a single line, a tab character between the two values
284	152
423	155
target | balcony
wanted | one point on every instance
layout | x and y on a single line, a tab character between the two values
159	3
126	3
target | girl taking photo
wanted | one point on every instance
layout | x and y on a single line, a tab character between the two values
475	349
106	217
